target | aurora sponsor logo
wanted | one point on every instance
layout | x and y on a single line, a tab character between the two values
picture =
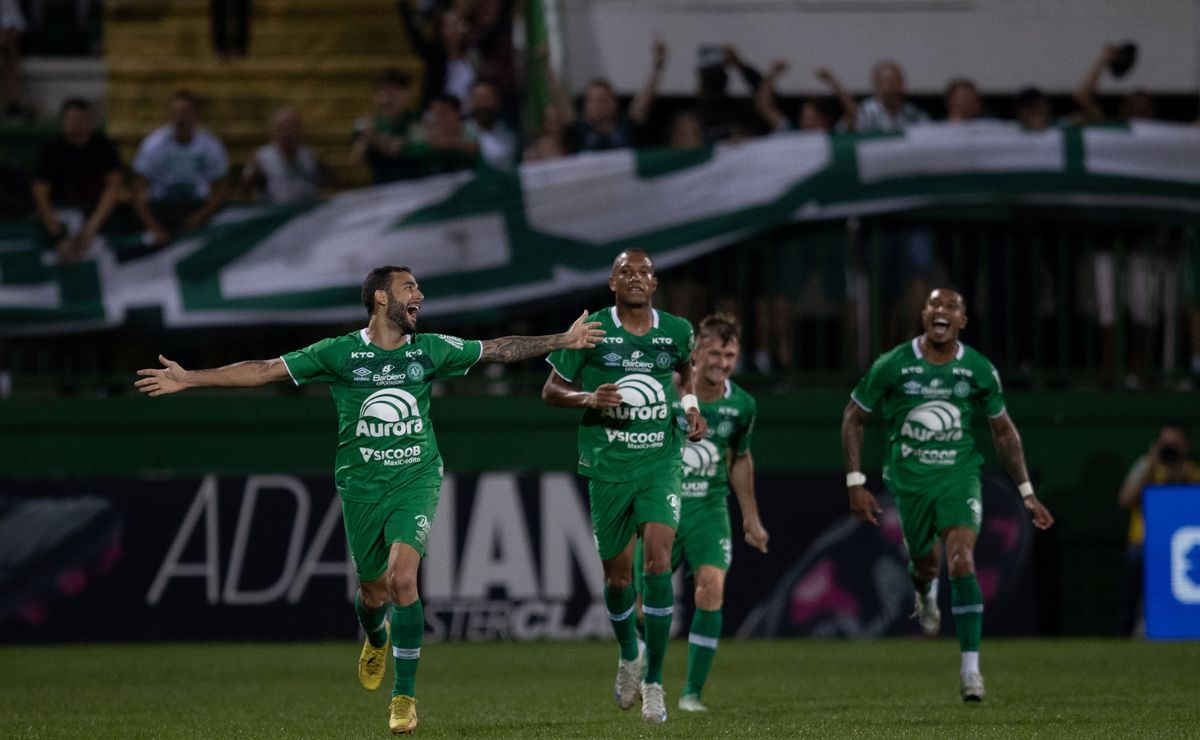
700	459
390	412
642	399
938	421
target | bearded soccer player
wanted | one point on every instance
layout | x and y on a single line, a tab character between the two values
710	466
928	390
388	468
629	448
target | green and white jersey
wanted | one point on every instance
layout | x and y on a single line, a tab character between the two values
627	442
385	435
730	425
927	410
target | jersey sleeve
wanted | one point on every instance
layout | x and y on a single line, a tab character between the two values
685	339
314	363
873	386
991	392
568	362
741	445
453	356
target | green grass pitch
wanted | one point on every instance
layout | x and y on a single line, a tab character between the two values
781	689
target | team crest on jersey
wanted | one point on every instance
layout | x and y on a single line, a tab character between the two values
415	371
663	360
962	389
725	428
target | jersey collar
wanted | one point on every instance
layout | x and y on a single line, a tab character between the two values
362	334
653	316
916	347
728	389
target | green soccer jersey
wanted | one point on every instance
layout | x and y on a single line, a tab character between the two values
927	410
730	424
627	442
385	435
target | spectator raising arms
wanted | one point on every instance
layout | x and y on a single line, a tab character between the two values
379	140
180	172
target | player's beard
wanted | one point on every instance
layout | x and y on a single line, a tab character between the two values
398	315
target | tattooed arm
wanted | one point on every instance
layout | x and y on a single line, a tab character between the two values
172	378
581	335
1008	445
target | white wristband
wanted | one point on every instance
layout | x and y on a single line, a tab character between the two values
1026	489
689	402
855	479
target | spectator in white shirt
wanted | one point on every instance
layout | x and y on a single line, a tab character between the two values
886	109
181	172
497	142
285	170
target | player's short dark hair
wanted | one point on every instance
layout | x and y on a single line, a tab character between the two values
722	326
601	82
75	104
959	82
378	279
393	77
635	250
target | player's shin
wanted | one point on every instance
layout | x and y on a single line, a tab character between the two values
702	648
966	602
621	614
373	621
408	627
658	603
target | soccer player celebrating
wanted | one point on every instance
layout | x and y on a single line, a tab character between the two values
709	467
388	469
629	448
929	389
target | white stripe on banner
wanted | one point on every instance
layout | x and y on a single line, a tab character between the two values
406	653
655	611
702	641
622	616
967	609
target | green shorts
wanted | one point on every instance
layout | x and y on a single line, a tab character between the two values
703	538
618	509
954	501
404	516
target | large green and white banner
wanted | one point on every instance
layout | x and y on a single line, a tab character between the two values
488	239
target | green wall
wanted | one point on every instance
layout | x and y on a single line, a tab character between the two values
1079	446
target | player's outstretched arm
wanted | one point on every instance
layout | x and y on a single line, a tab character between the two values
581	335
1008	445
862	504
560	392
741	477
172	378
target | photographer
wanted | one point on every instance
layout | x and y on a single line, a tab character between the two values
1168	461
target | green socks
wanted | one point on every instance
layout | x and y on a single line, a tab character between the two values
966	603
658	604
702	648
408	627
620	613
372	621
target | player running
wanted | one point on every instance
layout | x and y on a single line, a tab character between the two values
709	467
629	448
388	468
928	390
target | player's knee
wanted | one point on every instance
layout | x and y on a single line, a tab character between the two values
658	561
374	595
960	559
709	596
402	588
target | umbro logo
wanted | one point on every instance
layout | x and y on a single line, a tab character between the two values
362	373
612	358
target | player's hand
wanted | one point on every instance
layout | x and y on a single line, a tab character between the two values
171	379
1041	515
863	505
697	425
756	535
606	396
583	335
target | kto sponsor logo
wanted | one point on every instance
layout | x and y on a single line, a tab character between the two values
389	413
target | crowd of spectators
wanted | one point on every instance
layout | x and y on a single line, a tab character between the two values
463	113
